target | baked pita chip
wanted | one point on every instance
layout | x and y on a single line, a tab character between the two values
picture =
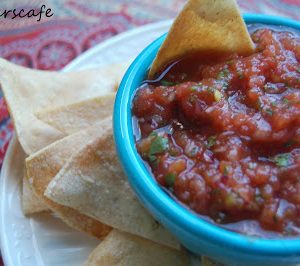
69	119
46	163
202	27
29	91
93	183
30	201
122	249
74	117
17	173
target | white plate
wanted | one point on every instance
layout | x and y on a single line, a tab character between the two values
44	239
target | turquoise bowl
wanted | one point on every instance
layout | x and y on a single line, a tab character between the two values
197	235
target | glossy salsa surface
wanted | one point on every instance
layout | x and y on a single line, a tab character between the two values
222	133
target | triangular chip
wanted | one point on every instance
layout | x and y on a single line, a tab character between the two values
94	183
122	249
46	163
74	117
29	91
30	201
68	119
204	26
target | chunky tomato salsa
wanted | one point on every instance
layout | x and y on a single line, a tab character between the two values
222	133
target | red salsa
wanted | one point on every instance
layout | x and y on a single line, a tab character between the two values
223	134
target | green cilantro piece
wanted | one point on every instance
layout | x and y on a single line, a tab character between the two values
167	83
274	103
285	101
289	143
192	99
298	70
211	141
158	145
223	74
269	111
153	134
194	88
270	87
152	158
210	90
282	160
155	162
193	152
258	104
258	198
225	85
170	180
216	191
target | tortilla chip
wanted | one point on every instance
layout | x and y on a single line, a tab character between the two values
46	163
17	173
204	26
69	119
122	249
29	91
94	184
74	117
30	201
79	221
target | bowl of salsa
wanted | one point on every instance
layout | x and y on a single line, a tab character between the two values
212	145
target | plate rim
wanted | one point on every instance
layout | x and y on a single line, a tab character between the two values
94	50
5	254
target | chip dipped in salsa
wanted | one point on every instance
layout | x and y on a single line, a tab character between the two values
222	132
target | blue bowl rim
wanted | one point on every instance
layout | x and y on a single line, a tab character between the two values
144	184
